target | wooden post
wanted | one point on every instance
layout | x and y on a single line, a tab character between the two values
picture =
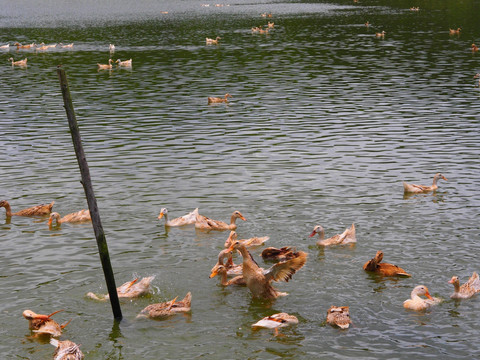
91	200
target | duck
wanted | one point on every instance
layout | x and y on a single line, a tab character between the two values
375	265
380	34
284	253
367	24
126	63
232	269
21	63
259	281
276	321
414	8
66	46
27	46
467	290
209	41
216	100
42	48
5	47
455	32
347	237
267	15
271	25
256	29
76	217
222	271
477	76
188	219
416	302
66	350
204	223
339	316
130	289
474	48
111	47
249	243
417	189
165	309
38	210
43	324
105	66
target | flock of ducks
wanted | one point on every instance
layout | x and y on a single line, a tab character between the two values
43	47
249	274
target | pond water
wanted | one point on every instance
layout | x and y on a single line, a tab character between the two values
325	122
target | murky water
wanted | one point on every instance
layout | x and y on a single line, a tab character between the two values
325	123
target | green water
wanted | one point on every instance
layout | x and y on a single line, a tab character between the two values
325	123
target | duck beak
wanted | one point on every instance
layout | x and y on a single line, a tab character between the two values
213	273
312	234
451	281
231	248
241	217
160	216
427	294
444	178
50	220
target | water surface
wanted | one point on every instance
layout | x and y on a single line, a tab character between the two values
325	123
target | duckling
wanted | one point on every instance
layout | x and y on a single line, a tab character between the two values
105	66
474	48
130	289
126	63
212	100
339	316
38	210
417	189
21	63
375	265
209	41
276	321
467	290
165	309
347	237
380	35
66	350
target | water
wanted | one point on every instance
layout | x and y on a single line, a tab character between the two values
325	122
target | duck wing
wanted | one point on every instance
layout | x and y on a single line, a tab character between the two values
283	271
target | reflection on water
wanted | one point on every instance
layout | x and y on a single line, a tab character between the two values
325	123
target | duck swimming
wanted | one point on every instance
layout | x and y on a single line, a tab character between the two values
76	217
417	303
38	210
467	290
259	281
66	350
276	321
169	308
417	189
375	265
130	289
105	66
222	271
339	316
249	243
284	253
209	41
347	237
216	100
188	219
204	223
43	324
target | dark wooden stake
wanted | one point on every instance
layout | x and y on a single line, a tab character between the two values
91	200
